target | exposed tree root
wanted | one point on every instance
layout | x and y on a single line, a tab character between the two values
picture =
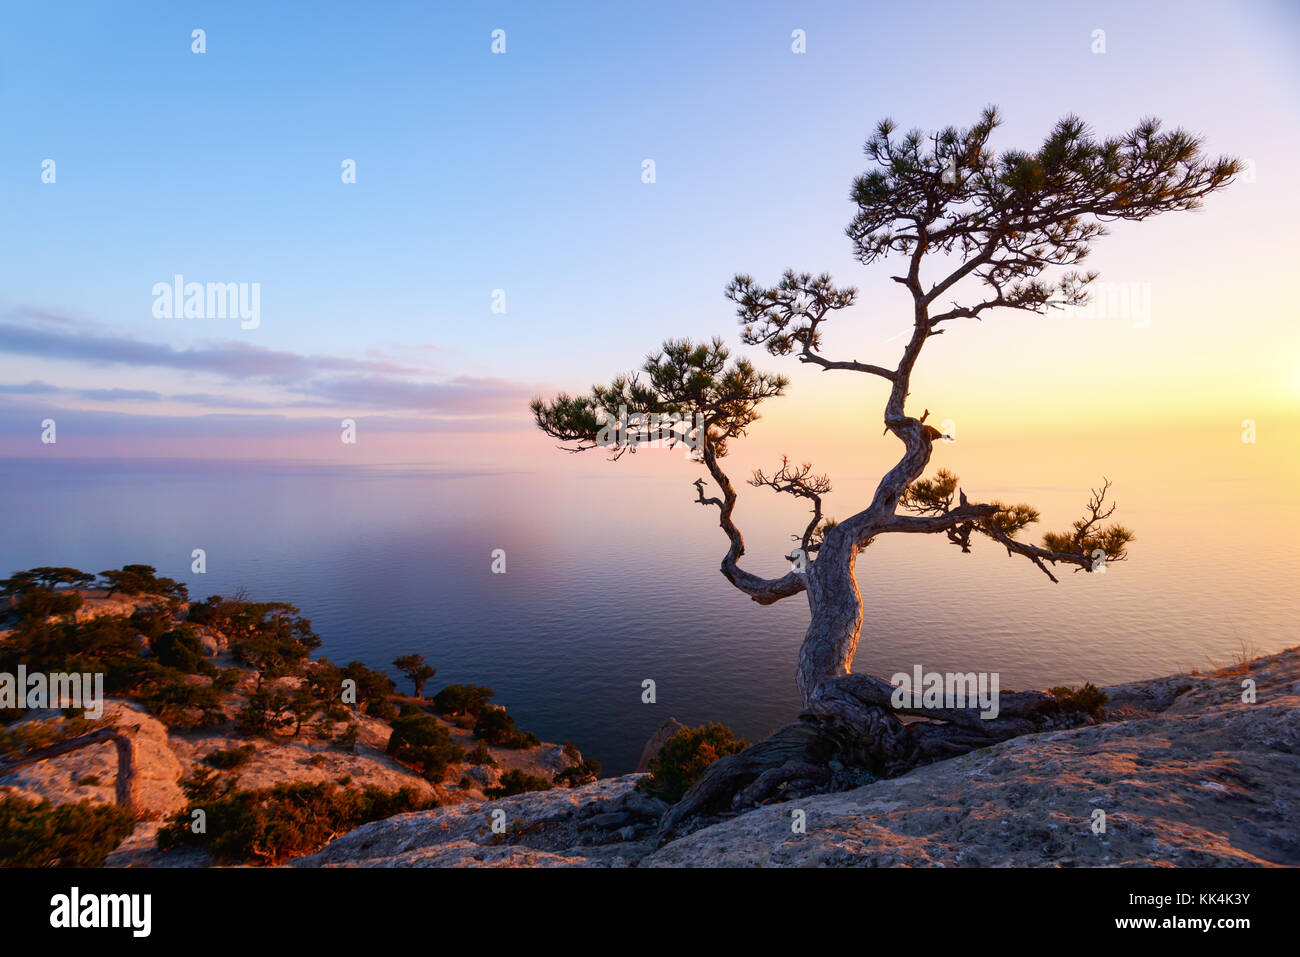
127	763
852	720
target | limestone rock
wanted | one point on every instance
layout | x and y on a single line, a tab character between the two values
657	741
1186	772
484	775
541	829
91	772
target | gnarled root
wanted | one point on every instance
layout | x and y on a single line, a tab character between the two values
851	718
719	788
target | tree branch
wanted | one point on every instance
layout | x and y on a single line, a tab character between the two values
765	591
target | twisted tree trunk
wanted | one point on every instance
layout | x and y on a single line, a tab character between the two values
851	717
847	717
999	222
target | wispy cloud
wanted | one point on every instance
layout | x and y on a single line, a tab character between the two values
305	380
234	360
20	420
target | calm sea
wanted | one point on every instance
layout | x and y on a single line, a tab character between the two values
611	580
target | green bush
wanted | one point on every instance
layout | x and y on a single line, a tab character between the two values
39	834
180	648
31	735
337	712
347	738
275	713
150	622
684	757
419	739
271	825
576	775
44	577
206	784
1086	700
226	758
462	699
374	688
517	782
178	702
270	637
107	644
38	594
480	754
215	612
497	728
36	603
143	580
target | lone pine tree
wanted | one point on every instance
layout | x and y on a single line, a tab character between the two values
946	204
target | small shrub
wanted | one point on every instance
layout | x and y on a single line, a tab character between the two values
480	754
347	738
271	825
517	782
39	603
456	700
576	775
373	690
497	728
226	758
181	703
1086	700
143	580
338	712
419	739
40	734
179	648
205	784
684	757
39	834
275	712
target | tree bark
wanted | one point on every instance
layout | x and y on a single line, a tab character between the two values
127	764
846	716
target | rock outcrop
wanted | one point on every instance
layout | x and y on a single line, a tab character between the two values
90	773
1184	770
657	741
605	824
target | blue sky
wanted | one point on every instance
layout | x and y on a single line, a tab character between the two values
522	172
